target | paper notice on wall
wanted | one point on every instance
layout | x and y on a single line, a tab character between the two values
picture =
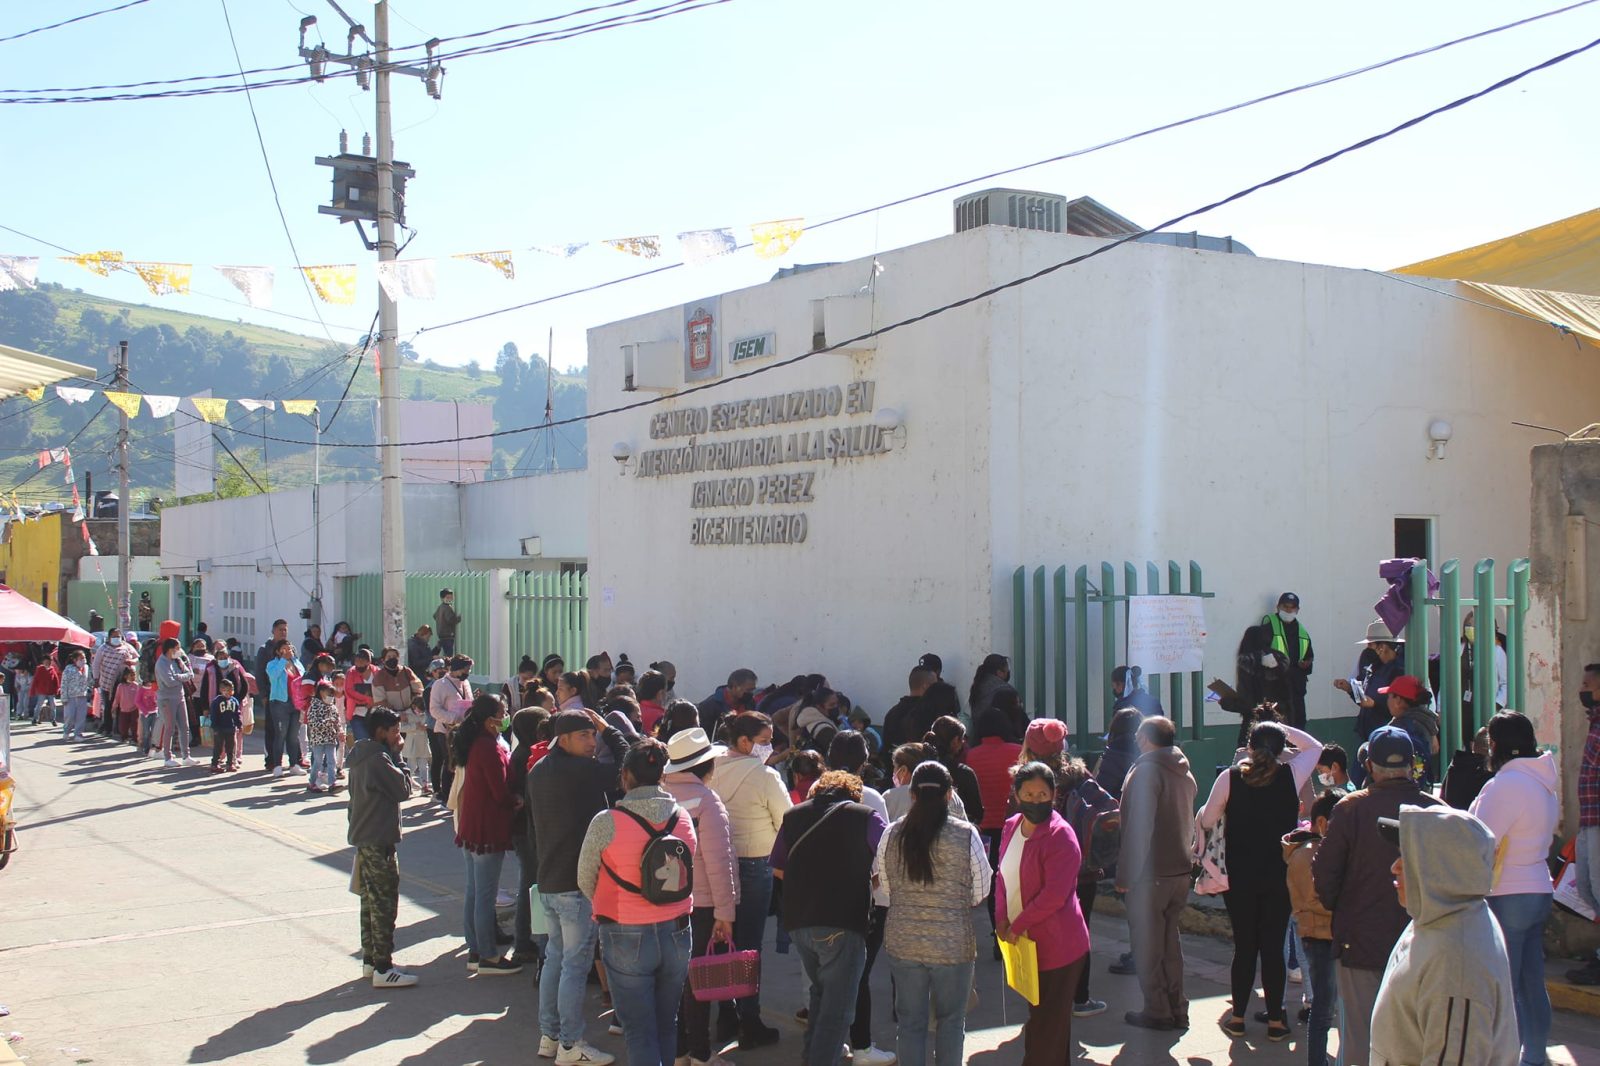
608	597
1166	634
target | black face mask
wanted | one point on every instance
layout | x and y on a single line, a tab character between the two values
391	665
1037	813
1587	699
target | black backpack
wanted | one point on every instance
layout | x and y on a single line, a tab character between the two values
666	867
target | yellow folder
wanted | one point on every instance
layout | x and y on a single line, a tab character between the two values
1022	967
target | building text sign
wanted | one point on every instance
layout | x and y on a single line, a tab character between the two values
735	472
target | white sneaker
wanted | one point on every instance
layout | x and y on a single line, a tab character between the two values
277	772
583	1054
171	763
874	1056
1295	976
190	760
548	1046
392	978
296	771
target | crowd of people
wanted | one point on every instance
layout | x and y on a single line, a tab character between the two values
651	831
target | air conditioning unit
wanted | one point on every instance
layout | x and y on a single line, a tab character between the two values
1017	208
652	366
840	318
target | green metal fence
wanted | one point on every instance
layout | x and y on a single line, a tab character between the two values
1460	720
549	613
362	598
92	594
1041	624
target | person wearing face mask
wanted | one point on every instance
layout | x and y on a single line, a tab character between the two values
1292	642
1376	671
1588	840
757	800
948	739
393	686
222	667
1333	767
113	657
1035	895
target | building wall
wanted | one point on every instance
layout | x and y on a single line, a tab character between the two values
1266	419
33	563
498	515
896	558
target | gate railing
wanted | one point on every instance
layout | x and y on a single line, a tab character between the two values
1456	722
1040	625
362	600
549	613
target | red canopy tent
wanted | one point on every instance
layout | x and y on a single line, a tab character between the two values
23	620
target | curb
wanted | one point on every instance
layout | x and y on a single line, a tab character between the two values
1582	999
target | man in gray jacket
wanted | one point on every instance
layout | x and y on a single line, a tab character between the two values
1153	869
1446	994
379	781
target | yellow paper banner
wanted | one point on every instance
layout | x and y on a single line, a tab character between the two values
334	284
102	263
772	239
500	260
643	247
35	394
212	409
127	401
299	407
164	279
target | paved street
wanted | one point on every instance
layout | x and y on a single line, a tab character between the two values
162	917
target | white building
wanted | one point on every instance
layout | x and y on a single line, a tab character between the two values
1270	420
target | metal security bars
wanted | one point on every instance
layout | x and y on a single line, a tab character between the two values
549	613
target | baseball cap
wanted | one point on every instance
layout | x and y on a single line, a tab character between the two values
1390	746
932	662
1046	736
1407	687
1288	599
569	722
438	664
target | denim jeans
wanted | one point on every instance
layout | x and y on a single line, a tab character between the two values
947	987
833	961
477	918
568	956
647	966
39	705
358	727
77	713
1324	985
149	726
1522	916
283	734
322	762
750	920
1588	863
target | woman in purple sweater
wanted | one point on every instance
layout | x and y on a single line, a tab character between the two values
1036	895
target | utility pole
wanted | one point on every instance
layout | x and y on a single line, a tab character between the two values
375	70
316	518
124	526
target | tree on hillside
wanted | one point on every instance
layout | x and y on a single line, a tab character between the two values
474	371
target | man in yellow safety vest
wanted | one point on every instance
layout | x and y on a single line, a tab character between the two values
1292	642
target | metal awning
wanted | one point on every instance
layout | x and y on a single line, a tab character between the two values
21	370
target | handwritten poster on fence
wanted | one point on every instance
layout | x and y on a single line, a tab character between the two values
1166	634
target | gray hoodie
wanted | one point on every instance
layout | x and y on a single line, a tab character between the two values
378	782
1446	995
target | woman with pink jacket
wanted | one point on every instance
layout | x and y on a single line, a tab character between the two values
1036	895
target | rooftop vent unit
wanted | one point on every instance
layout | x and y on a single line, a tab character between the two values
1011	207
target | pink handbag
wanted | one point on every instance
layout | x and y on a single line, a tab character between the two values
719	976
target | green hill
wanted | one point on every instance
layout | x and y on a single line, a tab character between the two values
181	353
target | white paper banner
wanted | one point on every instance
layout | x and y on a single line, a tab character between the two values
161	406
255	282
414	278
560	251
72	395
1166	634
703	245
256	405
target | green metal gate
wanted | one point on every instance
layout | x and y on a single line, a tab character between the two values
362	598
1040	626
549	613
1457	724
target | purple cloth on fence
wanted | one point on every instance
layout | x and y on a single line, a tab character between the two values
1395	605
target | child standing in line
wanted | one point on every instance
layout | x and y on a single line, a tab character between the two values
125	706
416	752
341	700
322	729
145	701
1316	925
226	721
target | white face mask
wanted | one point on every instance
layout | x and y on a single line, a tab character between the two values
115	642
1326	779
1268	659
762	751
1287	616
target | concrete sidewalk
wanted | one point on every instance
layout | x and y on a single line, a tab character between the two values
162	917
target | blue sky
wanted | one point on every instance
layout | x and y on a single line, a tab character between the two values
759	109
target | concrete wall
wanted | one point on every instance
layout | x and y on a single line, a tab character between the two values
1266	419
498	515
1566	634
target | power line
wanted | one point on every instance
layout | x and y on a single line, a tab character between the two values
1060	157
68	22
675	7
1003	286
